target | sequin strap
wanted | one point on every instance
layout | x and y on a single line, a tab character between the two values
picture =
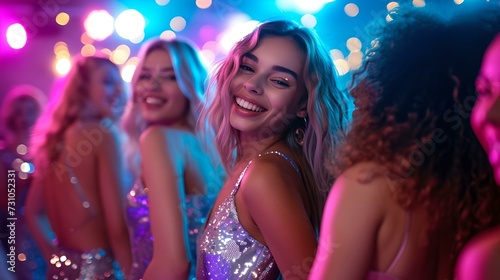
237	186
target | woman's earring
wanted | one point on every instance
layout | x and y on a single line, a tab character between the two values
300	133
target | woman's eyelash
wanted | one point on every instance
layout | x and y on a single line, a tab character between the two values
282	82
246	68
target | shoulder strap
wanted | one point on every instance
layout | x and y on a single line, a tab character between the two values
285	157
238	183
404	243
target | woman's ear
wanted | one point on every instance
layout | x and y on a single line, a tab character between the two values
302	113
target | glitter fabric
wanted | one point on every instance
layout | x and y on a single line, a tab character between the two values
30	262
195	207
140	230
227	251
92	264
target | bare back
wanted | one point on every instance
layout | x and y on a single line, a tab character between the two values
365	231
425	255
72	190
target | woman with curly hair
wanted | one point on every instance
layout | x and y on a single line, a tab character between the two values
275	113
79	176
415	183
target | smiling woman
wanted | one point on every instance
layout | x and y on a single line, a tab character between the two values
275	113
479	259
176	180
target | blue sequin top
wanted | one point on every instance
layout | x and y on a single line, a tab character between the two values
227	251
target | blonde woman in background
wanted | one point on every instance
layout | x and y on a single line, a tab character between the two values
79	176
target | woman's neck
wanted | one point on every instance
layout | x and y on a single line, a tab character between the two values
181	125
250	149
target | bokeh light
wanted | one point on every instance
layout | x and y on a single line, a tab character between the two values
239	27
336	54
207	33
203	4
85	39
99	25
22	149
342	66
168	35
61	49
418	3
392	5
129	68
353	44
351	9
16	36
162	2
63	65
308	20
138	39
355	60
130	24
207	56
178	24
62	18
120	54
88	50
302	6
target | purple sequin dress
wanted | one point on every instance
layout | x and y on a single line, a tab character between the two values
227	251
187	152
139	229
196	208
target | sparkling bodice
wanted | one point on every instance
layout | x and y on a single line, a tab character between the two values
196	208
227	251
139	229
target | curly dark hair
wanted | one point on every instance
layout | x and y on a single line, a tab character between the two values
413	99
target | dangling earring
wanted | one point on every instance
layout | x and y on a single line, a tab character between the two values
300	132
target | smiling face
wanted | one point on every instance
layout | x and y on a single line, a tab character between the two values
106	90
485	117
268	89
158	93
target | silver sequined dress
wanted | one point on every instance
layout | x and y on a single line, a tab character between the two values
227	251
95	264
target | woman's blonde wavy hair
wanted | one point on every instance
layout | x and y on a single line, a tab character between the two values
67	102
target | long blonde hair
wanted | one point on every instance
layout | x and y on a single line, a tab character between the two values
66	105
